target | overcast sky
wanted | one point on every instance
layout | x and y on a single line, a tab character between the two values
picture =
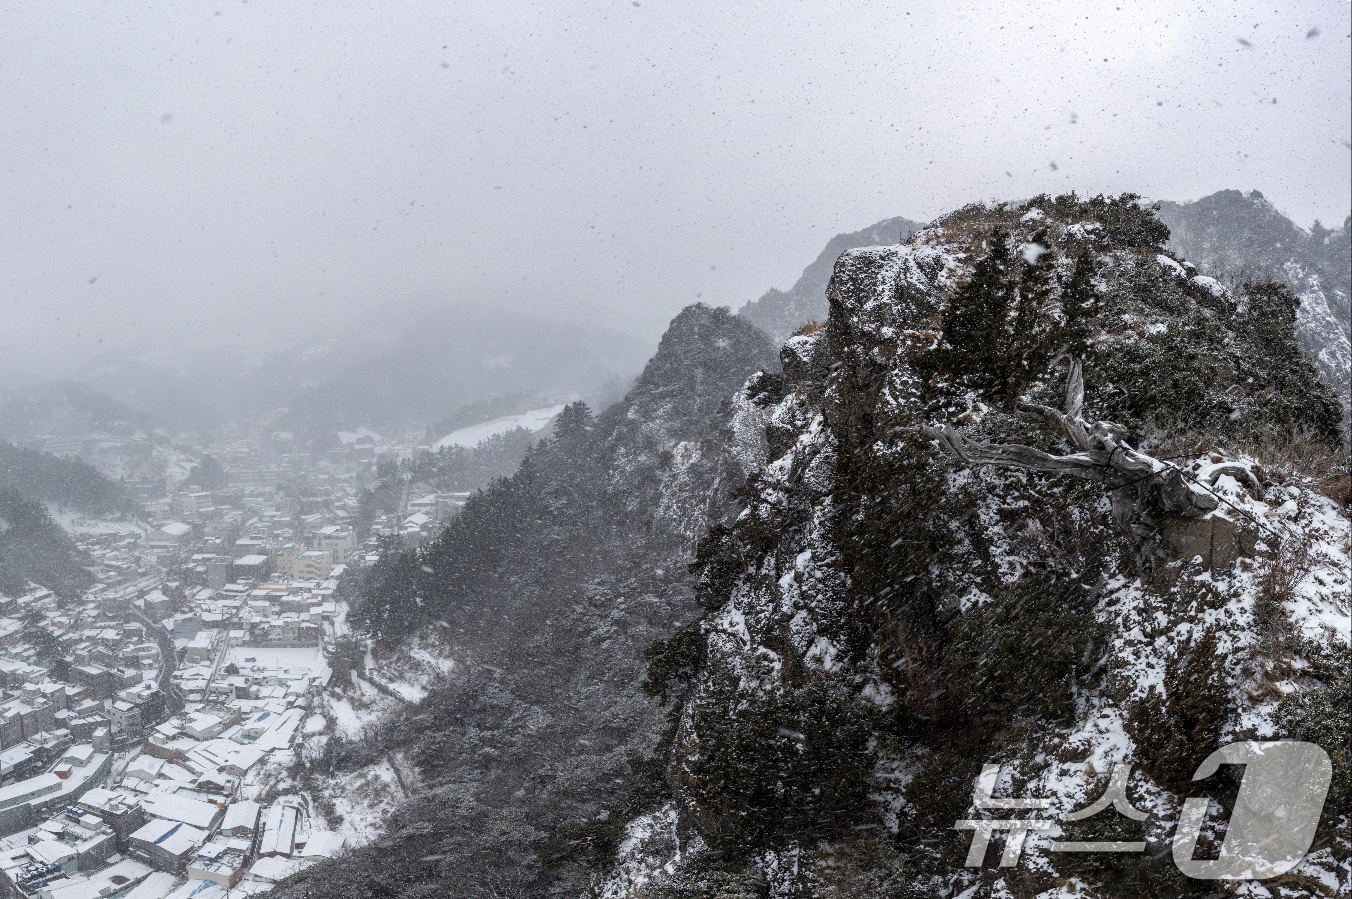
190	171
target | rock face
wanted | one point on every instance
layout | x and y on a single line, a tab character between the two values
780	313
1232	236
546	591
1238	237
881	622
1215	540
684	436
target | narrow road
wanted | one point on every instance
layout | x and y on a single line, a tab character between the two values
220	661
173	701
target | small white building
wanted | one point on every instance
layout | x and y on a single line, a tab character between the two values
279	830
170	539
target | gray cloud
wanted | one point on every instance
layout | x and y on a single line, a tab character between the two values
175	172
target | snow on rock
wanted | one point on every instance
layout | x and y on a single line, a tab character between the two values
1172	265
1210	285
650	847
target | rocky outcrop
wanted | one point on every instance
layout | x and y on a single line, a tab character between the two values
780	313
883	621
1237	237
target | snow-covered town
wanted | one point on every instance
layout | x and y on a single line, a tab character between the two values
149	731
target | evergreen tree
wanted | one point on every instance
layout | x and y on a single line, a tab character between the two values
1277	371
209	474
45	644
574	421
1079	305
974	322
1029	346
996	328
389	606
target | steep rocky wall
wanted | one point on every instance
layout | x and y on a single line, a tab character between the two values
881	622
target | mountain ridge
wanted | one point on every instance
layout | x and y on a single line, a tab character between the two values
1232	235
550	584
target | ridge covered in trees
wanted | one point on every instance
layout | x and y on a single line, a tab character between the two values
35	549
65	481
545	590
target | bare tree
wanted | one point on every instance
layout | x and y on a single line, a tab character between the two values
1145	491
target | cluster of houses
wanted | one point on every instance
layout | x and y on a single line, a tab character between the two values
146	727
138	737
421	520
252	557
143	726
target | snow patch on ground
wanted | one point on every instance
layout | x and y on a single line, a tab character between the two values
364	800
352	715
308	657
78	523
349	437
473	435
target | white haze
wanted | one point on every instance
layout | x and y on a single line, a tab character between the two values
257	173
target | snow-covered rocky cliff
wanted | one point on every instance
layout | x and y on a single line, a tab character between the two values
1238	237
885	621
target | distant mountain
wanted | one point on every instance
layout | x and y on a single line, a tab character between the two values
197	387
780	313
394	373
65	408
1242	237
455	358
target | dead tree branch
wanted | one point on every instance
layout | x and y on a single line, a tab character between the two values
1144	490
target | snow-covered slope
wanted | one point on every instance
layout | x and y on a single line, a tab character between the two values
472	435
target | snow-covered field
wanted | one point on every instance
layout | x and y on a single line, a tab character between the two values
271	657
472	435
77	523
